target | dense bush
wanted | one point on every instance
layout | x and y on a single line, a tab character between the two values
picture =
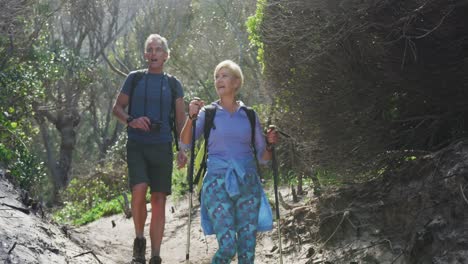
19	88
355	79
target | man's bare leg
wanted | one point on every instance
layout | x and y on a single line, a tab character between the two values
158	220
139	212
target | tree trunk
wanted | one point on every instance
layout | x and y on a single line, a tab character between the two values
315	182
300	189
67	144
51	161
294	194
66	123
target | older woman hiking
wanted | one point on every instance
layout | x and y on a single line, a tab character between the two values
233	204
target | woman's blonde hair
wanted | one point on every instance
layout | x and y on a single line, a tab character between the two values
233	68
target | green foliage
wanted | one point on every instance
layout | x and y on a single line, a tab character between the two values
254	24
264	113
179	182
19	89
291	177
79	214
22	84
101	186
89	198
102	209
329	178
198	161
27	170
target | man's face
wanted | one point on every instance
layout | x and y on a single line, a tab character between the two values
155	55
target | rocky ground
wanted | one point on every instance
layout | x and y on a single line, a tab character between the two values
415	212
27	238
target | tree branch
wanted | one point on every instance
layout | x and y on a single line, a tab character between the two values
463	194
119	72
23	210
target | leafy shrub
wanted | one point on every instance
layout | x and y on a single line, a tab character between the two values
179	182
79	214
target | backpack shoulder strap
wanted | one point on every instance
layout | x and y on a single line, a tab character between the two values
137	76
172	83
172	118
251	116
210	112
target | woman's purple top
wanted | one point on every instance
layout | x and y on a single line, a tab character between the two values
231	134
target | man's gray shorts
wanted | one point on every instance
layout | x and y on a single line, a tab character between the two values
151	164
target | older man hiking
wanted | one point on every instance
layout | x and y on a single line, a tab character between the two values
155	107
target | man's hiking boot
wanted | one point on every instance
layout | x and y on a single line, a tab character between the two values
155	260
139	250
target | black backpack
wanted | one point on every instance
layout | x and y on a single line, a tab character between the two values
210	112
173	85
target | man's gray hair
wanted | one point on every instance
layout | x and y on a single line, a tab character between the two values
160	39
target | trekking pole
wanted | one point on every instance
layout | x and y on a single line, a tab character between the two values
190	182
274	164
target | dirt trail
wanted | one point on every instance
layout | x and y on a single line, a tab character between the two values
114	244
31	239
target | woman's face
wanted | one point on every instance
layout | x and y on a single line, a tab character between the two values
226	83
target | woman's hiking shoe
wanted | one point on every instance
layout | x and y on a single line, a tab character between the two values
155	260
139	250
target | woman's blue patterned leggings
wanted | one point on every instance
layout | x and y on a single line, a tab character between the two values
234	218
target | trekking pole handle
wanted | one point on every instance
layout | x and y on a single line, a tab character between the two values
200	105
271	139
278	130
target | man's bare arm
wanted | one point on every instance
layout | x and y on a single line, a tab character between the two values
119	108
121	103
180	114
